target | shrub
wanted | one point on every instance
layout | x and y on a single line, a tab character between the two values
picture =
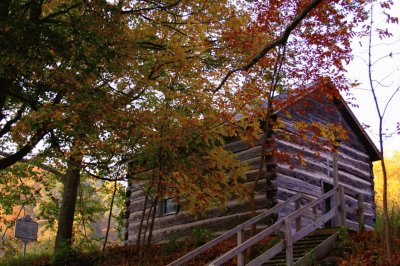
171	246
200	236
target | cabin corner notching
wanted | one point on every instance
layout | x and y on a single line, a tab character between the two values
313	176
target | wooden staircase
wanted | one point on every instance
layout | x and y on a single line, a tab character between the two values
309	249
303	240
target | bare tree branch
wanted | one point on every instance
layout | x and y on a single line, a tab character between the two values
390	99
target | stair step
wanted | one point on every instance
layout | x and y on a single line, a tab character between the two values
302	247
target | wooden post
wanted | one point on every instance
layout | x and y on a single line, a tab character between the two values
240	240
342	207
360	212
289	242
25	242
335	169
336	220
298	219
315	212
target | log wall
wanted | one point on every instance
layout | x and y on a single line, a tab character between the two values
280	180
182	223
354	160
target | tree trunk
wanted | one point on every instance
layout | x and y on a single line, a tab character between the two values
153	217
386	222
66	218
139	234
110	215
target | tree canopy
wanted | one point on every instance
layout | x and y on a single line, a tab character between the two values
151	89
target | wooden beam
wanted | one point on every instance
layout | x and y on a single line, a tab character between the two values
289	242
240	239
298	219
342	207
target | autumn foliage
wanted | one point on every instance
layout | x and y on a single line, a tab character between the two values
151	90
393	169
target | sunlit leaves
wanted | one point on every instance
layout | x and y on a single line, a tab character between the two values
393	172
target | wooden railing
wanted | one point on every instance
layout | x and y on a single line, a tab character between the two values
309	210
238	230
360	210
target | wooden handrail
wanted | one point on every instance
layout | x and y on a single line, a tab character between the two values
233	231
290	238
248	243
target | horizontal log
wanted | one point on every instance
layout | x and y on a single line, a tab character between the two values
335	115
319	163
136	194
214	224
352	204
184	217
304	175
350	149
368	218
253	152
239	145
290	183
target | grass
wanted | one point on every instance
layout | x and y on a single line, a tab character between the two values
29	260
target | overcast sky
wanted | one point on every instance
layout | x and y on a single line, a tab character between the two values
387	72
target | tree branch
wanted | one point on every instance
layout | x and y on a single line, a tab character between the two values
280	41
27	148
390	99
7	126
45	167
103	178
61	12
155	7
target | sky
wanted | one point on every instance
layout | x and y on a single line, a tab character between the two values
386	76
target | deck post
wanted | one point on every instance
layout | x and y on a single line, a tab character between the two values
298	219
240	240
315	212
335	169
342	207
335	172
360	212
289	242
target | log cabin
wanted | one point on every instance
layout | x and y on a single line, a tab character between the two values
284	175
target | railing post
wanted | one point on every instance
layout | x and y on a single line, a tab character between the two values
298	219
289	242
360	212
315	212
240	240
342	207
335	172
335	169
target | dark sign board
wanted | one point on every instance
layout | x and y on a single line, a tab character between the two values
26	229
